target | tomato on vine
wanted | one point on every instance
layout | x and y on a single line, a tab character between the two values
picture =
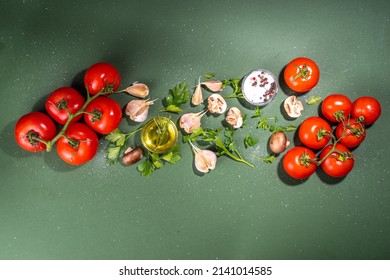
78	145
336	160
301	74
315	132
33	130
103	114
351	132
336	107
367	107
101	76
299	162
62	102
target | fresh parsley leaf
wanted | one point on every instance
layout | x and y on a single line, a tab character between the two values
209	75
116	143
156	161
234	83
268	159
313	100
177	96
249	141
257	113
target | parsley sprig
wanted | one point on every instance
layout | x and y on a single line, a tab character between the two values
269	123
156	161
116	144
234	83
177	96
224	146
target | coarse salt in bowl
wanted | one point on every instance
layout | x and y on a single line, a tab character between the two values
259	87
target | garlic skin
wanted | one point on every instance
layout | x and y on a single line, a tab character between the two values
138	110
293	106
138	90
197	97
205	160
216	104
213	85
191	121
234	117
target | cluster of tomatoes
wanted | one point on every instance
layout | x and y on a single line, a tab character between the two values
315	133
81	119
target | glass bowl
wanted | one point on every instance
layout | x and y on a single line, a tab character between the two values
259	87
159	135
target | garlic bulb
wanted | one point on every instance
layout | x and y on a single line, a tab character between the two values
234	117
216	104
138	90
205	160
197	97
138	110
191	121
213	85
293	106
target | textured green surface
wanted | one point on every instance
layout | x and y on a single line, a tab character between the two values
49	210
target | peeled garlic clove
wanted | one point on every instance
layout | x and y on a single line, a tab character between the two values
216	104
213	85
138	110
138	90
234	117
197	97
293	106
205	160
191	121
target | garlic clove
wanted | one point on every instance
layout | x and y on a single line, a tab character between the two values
197	97
138	90
191	121
213	85
293	106
205	160
234	117
138	110
216	104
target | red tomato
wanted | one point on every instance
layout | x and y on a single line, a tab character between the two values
103	114
351	133
79	145
301	74
367	107
299	162
315	132
101	77
338	163
61	100
32	127
336	107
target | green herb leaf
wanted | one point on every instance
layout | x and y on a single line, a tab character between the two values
112	154
288	128
209	75
249	141
313	100
177	96
257	113
146	168
156	161
268	159
234	83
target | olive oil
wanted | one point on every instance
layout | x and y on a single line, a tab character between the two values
159	135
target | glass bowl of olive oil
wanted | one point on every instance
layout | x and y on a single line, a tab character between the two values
159	135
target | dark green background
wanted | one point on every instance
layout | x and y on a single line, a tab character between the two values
49	210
